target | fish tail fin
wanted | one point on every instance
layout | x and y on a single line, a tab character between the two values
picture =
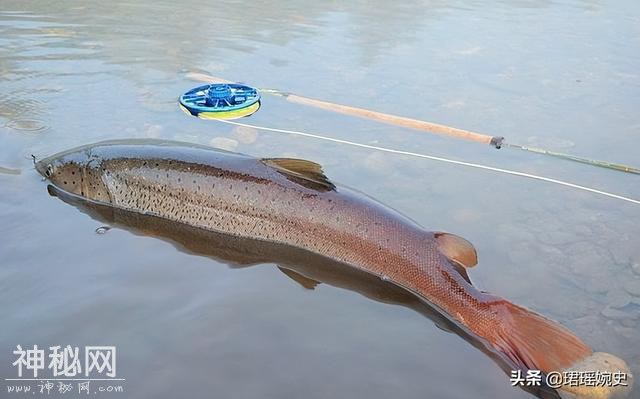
529	341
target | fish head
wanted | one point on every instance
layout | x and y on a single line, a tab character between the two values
76	172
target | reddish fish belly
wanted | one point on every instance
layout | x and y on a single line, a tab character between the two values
524	339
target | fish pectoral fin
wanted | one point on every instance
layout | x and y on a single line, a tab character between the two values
305	282
306	173
457	249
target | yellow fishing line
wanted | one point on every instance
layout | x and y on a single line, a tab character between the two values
226	115
424	126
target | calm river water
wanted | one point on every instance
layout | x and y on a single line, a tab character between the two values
563	75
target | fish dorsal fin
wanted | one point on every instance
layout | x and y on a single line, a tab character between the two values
306	173
457	249
305	282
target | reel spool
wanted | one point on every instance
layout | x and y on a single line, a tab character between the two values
221	101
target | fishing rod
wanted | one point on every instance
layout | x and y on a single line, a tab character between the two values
439	159
416	124
224	101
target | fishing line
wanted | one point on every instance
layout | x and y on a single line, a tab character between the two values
435	158
9	171
405	122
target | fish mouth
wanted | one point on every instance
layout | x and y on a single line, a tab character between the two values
45	167
42	166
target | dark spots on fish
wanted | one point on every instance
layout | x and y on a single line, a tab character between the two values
65	182
73	172
157	164
179	180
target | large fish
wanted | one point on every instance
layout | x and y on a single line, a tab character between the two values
305	268
291	202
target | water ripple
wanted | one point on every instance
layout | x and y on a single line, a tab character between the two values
27	125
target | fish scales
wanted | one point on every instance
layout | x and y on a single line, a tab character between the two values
291	202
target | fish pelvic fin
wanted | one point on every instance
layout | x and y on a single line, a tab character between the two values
529	341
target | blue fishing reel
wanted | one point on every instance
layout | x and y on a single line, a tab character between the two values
221	101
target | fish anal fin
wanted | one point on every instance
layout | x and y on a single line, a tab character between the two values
442	327
306	173
457	249
304	281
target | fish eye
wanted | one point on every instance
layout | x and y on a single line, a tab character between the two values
49	171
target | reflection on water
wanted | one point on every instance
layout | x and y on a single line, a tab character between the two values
559	73
305	268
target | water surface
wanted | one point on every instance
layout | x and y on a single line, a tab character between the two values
560	74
